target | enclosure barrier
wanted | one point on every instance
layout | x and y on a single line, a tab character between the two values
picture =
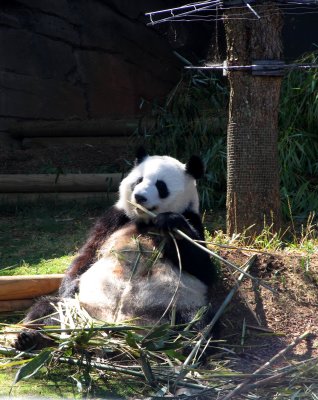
17	292
30	187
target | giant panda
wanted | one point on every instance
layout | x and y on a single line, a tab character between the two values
133	267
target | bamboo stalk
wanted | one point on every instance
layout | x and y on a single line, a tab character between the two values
209	327
226	262
212	253
10	352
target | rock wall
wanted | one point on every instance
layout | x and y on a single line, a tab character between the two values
80	59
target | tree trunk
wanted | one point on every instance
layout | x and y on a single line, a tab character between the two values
253	172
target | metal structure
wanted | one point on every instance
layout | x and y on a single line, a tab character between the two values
212	10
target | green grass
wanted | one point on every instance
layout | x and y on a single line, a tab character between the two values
42	238
62	382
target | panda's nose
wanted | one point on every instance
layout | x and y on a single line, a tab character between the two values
140	199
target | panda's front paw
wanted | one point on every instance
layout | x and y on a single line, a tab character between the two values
31	339
26	340
169	221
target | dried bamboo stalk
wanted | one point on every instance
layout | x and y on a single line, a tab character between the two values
243	386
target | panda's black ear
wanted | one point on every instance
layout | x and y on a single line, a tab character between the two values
141	154
195	167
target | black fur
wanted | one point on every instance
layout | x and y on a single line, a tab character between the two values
195	167
141	154
162	189
40	314
111	221
193	260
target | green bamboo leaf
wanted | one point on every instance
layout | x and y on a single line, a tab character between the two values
131	340
158	332
175	355
33	366
14	363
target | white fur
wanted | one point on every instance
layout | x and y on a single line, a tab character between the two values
182	187
106	297
123	284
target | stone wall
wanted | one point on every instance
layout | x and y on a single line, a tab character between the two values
80	59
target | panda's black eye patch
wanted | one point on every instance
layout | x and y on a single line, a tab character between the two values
162	189
139	180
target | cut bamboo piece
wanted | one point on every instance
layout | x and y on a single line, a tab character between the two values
15	305
28	287
33	183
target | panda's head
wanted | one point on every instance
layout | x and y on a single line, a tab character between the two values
160	184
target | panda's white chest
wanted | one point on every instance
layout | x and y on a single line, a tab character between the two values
112	295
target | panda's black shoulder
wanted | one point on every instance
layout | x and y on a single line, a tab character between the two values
112	220
195	220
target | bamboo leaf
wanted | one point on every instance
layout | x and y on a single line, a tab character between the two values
174	355
158	332
131	340
33	366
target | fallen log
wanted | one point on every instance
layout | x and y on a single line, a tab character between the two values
110	141
109	198
46	183
76	128
15	305
22	287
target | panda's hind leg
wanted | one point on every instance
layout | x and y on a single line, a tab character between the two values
31	338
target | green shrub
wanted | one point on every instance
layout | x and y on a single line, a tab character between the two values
298	141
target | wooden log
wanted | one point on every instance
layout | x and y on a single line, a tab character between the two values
32	183
15	305
75	128
111	141
28	287
108	198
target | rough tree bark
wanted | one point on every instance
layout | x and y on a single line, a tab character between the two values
253	172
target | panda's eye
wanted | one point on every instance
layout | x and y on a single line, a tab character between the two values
162	189
139	180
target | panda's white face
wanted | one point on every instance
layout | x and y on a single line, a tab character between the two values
160	184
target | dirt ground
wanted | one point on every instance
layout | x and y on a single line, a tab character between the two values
273	320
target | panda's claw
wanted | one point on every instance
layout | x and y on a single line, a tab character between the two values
26	340
31	339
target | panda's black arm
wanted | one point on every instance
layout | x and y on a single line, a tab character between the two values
193	259
112	220
195	220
